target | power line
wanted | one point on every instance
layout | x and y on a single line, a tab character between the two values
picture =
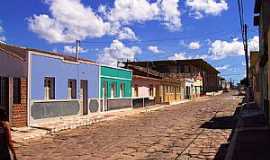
101	43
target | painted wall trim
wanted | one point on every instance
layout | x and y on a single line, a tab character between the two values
111	98
109	77
29	73
99	87
55	100
124	69
60	57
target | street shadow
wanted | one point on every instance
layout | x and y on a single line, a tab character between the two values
222	151
227	122
219	123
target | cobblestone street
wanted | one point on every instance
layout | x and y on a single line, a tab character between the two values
193	130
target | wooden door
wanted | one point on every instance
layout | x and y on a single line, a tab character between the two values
84	90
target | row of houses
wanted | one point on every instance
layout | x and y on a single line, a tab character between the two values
259	61
37	85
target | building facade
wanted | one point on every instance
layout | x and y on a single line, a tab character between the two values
186	69
115	88
261	19
151	87
60	86
37	85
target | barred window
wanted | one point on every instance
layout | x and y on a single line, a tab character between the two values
16	90
72	88
49	85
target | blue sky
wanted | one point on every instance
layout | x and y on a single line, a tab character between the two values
110	30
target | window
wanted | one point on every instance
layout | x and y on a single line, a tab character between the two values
113	90
4	91
182	69
72	88
105	89
122	90
16	90
49	85
151	91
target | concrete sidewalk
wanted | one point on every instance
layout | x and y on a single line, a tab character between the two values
250	138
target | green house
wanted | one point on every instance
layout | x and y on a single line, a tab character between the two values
115	88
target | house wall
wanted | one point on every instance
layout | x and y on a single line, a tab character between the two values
211	82
11	67
19	113
144	98
42	66
144	86
171	92
48	66
110	75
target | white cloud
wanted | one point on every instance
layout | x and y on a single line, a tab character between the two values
221	49
130	10
154	49
223	67
72	49
127	33
171	14
194	45
201	56
2	37
127	11
117	51
70	20
183	56
179	56
253	44
200	8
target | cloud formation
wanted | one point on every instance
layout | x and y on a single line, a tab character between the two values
128	11
70	20
221	68
179	56
201	8
2	37
72	49
154	49
221	49
117	51
194	45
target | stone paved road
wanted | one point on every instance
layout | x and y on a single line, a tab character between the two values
183	131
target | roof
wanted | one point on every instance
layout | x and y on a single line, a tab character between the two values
138	70
21	53
200	63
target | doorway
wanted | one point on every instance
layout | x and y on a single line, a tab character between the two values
84	94
4	94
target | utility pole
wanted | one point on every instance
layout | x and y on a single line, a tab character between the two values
247	62
77	49
246	53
